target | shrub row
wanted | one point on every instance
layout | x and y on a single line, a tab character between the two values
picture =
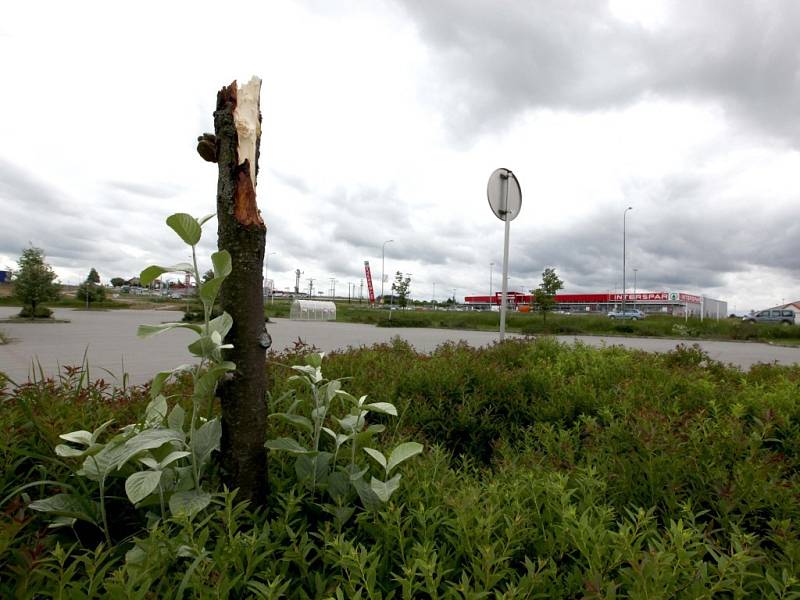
549	472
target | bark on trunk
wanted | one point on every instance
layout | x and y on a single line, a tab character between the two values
241	231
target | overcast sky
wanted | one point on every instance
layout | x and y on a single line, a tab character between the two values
384	119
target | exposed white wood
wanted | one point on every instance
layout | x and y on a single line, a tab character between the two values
248	124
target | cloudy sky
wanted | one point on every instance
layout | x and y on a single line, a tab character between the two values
384	119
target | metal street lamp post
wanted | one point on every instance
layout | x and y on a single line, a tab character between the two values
624	214
383	258
266	275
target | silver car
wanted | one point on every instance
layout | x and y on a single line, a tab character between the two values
775	315
633	314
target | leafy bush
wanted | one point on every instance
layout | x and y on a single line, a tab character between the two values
41	312
549	471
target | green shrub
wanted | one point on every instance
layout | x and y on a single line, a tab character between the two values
549	471
42	312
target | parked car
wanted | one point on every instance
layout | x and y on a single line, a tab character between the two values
775	315
633	314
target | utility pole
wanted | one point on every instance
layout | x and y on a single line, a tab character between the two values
361	291
383	260
310	286
624	289
297	274
333	287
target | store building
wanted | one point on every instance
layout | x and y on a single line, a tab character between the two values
672	303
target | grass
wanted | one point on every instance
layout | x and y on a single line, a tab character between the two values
533	324
549	471
68	302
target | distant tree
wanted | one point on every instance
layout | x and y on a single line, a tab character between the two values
117	281
545	295
208	275
34	281
95	293
401	287
89	291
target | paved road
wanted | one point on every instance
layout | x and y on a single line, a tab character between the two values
109	338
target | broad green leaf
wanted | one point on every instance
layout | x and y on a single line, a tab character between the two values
368	497
385	489
352	423
221	324
176	418
338	438
148	330
210	289
98	466
206	439
62	521
287	445
186	226
316	466
331	388
222	264
162	376
156	411
377	455
204	347
401	453
207	383
140	485
384	408
69	451
152	272
99	431
66	505
188	503
315	359
148	440
208	217
298	421
318	413
313	373
149	462
172	457
77	437
338	486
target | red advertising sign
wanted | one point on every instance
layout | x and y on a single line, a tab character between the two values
369	282
641	297
692	299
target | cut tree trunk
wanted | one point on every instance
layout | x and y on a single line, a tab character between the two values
241	231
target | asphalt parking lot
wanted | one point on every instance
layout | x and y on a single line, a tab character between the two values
109	340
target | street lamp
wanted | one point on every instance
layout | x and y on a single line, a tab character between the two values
383	258
266	274
624	214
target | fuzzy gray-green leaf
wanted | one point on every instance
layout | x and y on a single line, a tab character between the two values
186	226
141	484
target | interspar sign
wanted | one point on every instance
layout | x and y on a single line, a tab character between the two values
689	298
641	297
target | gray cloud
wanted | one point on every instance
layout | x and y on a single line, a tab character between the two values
20	189
673	250
154	190
494	61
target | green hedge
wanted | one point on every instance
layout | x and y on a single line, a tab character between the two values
548	472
